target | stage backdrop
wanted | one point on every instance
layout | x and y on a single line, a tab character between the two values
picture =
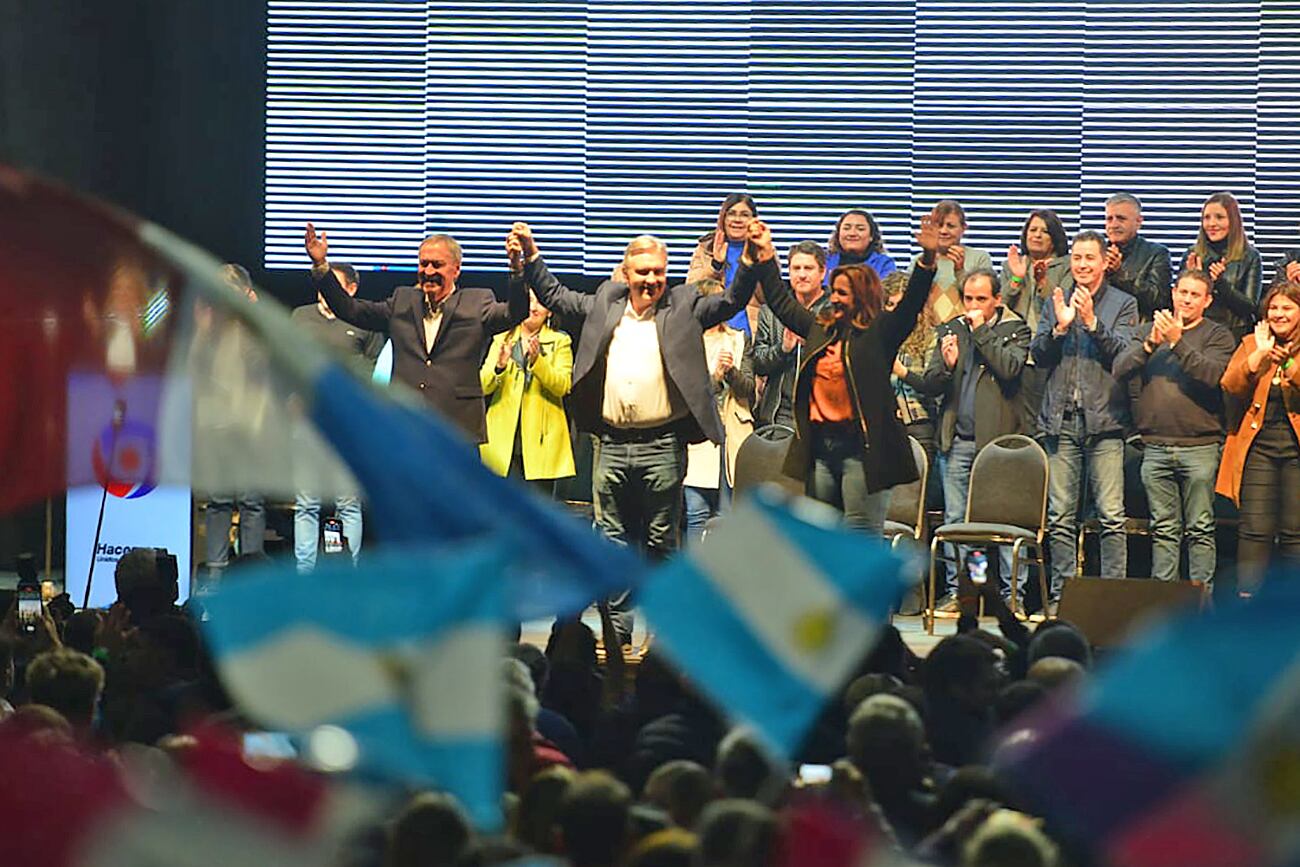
596	120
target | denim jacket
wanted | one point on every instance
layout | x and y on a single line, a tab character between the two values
1082	360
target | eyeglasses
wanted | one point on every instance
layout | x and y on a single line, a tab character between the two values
744	215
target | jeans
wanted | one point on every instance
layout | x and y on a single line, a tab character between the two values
306	527
839	478
701	504
1270	503
1067	455
252	526
956	466
637	497
1179	482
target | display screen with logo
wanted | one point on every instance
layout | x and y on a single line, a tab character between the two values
112	427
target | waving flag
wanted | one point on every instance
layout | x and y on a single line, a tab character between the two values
1185	750
399	657
185	380
774	611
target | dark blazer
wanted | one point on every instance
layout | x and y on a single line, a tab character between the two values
1236	292
1001	350
447	377
1144	274
680	320
868	362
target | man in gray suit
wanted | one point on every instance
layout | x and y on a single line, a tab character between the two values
439	330
640	380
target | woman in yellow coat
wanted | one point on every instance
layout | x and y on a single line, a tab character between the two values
527	373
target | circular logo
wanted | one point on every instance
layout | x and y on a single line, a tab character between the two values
124	463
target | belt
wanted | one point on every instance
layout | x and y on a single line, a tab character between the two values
641	434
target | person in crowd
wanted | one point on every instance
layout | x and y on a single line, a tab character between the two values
961	682
777	350
849	446
439	330
1134	265
641	383
1085	410
71	683
954	260
976	370
594	820
717	256
670	847
526	375
1010	839
235	358
886	742
431	831
1287	269
744	769
1032	269
360	347
1234	265
1260	470
856	241
146	585
710	468
915	409
738	833
535	822
682	789
1179	414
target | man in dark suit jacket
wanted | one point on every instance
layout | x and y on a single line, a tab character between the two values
439	331
641	383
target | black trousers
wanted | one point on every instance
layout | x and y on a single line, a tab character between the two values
1270	503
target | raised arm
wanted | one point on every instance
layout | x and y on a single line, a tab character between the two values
712	309
498	316
553	294
900	322
371	315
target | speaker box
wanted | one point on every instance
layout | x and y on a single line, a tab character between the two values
1107	609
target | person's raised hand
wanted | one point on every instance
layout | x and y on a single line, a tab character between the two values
719	250
317	246
949	349
525	234
900	369
515	250
1264	336
1016	262
1173	328
1292	271
1280	353
1114	259
1064	312
789	340
1217	269
503	357
927	236
1159	322
1081	300
974	318
725	362
533	349
760	241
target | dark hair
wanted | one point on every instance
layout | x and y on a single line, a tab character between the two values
1287	289
538	665
1063	639
68	681
808	248
594	819
1198	275
875	245
735	831
349	273
986	273
431	830
728	203
1060	243
864	289
1091	235
956	660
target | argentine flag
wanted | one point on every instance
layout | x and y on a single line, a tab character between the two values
773	611
392	668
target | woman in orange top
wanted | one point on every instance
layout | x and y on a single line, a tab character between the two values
1260	470
849	446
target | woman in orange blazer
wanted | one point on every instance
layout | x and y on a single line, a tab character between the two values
1260	470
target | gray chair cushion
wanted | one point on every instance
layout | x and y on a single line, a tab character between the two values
897	528
977	532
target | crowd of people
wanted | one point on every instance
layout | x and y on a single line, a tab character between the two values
1088	345
605	764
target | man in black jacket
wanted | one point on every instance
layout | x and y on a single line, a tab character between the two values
439	331
641	383
1134	264
976	368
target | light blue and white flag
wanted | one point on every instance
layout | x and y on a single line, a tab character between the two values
392	668
773	611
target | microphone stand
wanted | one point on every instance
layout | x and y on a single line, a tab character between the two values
119	415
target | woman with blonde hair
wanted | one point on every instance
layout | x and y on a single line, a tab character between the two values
526	374
1222	251
1260	469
